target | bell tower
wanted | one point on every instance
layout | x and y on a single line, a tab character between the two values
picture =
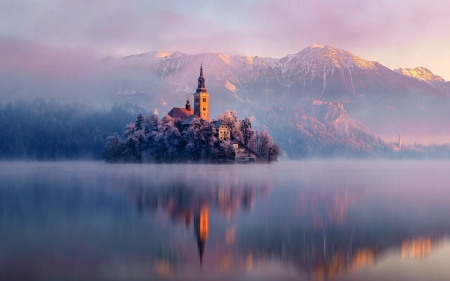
201	98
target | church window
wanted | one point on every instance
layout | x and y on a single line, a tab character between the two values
204	99
204	108
196	99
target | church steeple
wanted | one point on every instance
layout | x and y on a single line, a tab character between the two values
201	79
201	98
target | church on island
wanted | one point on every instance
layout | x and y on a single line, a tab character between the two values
187	115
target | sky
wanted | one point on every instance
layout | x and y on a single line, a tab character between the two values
396	33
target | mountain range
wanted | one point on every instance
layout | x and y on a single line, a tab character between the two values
317	71
410	102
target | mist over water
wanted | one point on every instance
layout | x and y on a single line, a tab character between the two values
310	220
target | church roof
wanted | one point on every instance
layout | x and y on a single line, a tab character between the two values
189	120
179	112
218	123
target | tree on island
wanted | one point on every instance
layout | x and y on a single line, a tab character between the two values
200	139
165	141
248	135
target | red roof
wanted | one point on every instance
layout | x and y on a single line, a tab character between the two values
179	112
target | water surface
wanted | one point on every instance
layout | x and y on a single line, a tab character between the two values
284	221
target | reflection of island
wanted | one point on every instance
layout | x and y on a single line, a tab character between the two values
184	202
419	247
318	230
327	240
326	207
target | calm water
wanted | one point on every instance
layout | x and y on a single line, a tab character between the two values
283	221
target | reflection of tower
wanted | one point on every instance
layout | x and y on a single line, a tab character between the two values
201	228
399	143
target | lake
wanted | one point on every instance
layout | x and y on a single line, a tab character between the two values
311	220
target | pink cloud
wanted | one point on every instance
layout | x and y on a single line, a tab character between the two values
43	61
270	28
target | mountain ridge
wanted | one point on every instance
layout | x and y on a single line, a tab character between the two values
316	71
424	74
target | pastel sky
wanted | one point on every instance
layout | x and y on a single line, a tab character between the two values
396	33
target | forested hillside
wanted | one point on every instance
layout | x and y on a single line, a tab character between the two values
323	130
42	130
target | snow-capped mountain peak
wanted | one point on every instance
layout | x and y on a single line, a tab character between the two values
420	73
317	72
425	75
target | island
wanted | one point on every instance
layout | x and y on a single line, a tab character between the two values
187	135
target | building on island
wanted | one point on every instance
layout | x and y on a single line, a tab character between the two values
201	110
181	113
223	130
244	154
201	98
201	105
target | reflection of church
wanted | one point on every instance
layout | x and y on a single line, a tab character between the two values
184	203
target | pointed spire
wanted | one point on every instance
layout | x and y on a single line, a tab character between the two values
201	79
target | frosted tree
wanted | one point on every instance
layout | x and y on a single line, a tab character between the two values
150	123
273	152
166	140
223	149
139	122
172	142
247	133
132	148
114	149
230	118
130	129
200	139
265	146
209	133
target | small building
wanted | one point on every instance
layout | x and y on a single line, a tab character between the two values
244	154
223	130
